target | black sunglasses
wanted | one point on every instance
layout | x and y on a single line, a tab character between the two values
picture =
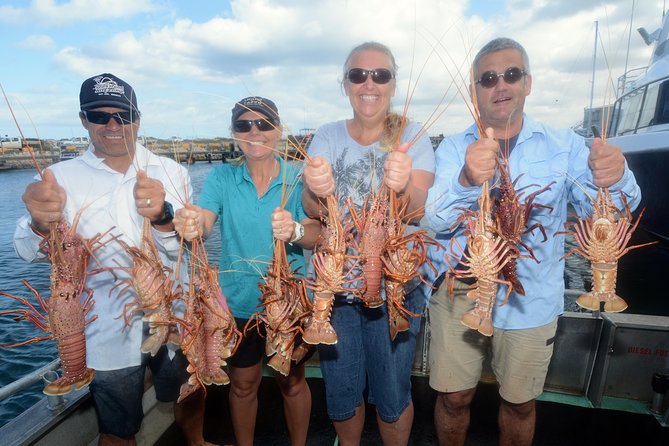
244	125
360	75
103	118
490	78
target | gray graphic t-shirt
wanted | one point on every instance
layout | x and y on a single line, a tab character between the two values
358	169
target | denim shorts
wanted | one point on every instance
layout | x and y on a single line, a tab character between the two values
365	357
117	394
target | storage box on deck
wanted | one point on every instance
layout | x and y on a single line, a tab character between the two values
573	353
631	348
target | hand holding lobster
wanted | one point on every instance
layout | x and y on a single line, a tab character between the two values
606	162
45	201
397	169
283	226
480	161
318	177
149	196
188	222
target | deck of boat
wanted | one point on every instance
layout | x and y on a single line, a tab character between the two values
557	424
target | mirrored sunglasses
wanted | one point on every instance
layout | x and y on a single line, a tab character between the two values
490	78
103	118
244	125
360	75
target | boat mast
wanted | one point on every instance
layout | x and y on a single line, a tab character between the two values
588	127
629	38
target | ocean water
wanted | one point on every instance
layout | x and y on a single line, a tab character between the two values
16	362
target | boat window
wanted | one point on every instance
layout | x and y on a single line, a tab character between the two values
630	109
647	117
663	104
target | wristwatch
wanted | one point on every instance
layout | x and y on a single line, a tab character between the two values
168	215
299	232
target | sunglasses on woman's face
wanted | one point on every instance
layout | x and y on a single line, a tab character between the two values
244	125
360	75
103	118
490	78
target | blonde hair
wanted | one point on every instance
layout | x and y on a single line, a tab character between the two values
393	127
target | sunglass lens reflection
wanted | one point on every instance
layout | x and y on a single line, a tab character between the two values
103	118
244	126
379	75
490	78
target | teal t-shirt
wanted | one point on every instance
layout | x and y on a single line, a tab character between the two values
246	229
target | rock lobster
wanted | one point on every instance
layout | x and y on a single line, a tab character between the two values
513	216
63	315
209	331
603	239
154	289
328	260
486	254
286	306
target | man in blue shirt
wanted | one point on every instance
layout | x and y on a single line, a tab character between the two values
524	328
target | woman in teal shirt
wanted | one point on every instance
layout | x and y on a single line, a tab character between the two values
245	198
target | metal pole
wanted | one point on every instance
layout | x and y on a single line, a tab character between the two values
588	127
629	38
27	380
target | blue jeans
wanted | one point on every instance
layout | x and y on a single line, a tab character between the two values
364	356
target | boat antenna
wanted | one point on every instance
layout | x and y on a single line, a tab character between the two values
629	38
592	87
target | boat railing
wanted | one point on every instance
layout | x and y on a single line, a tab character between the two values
28	380
627	81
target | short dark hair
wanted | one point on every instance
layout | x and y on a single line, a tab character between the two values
499	44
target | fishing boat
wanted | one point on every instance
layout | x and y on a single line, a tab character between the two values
640	126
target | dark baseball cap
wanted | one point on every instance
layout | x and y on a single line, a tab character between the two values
107	90
256	104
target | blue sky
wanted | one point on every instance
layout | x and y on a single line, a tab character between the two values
190	61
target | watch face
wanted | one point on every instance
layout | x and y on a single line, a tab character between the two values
168	209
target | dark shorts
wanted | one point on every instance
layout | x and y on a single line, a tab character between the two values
365	357
117	394
251	349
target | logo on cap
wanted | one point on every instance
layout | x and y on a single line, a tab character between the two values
105	86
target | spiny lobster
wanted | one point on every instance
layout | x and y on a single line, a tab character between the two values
208	329
402	258
603	239
370	223
63	315
512	217
155	291
486	255
286	306
328	260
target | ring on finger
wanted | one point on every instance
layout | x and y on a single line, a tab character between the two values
148	202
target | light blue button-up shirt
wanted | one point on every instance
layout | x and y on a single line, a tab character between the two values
541	155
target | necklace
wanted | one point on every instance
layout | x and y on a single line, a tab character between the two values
269	180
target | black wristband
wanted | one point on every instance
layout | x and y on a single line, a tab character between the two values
168	215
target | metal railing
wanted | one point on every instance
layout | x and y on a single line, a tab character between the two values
27	380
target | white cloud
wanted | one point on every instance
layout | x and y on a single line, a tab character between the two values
37	42
187	69
59	14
